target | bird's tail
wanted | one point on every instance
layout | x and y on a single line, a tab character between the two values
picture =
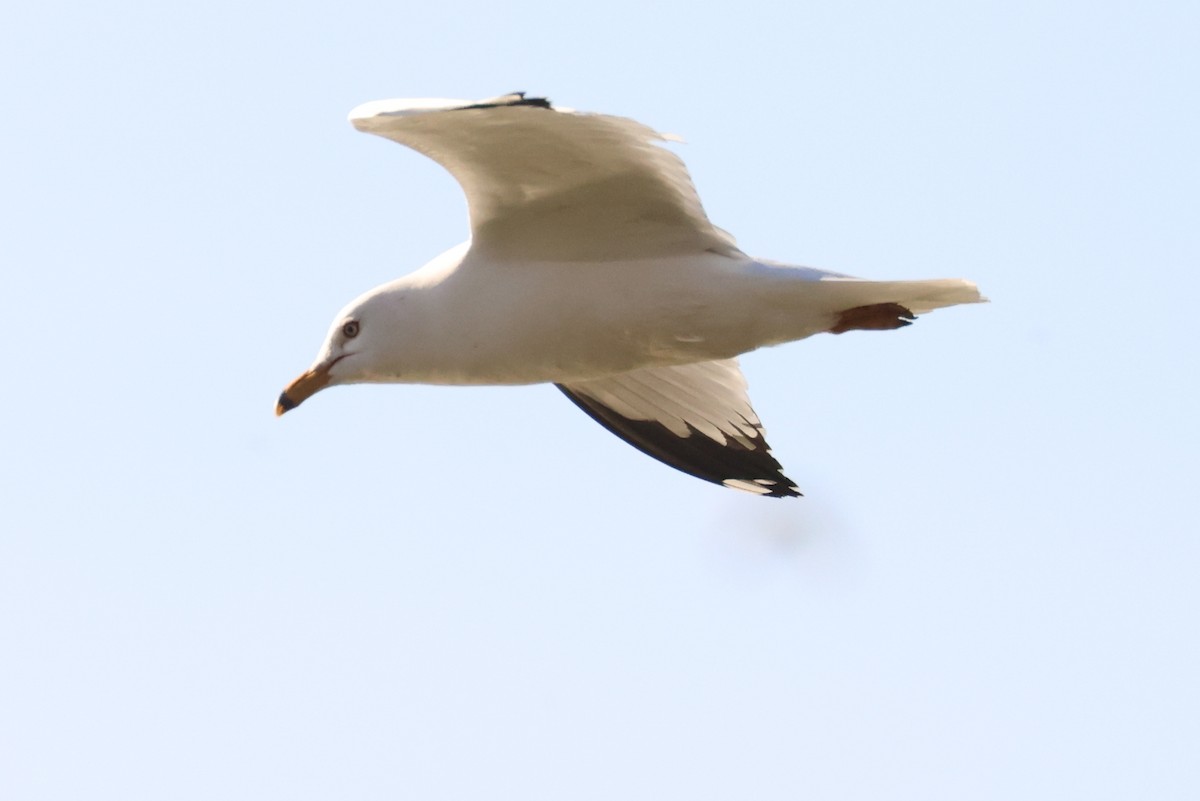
918	297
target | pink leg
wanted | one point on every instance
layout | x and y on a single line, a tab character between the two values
876	317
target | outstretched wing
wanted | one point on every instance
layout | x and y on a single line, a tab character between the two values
695	417
553	184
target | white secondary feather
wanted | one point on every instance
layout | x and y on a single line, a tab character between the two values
709	397
552	184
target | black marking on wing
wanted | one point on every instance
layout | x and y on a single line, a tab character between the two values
697	455
511	99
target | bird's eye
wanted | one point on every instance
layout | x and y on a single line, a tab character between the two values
350	329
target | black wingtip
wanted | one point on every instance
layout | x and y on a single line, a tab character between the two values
536	102
511	99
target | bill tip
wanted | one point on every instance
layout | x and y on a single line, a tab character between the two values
284	404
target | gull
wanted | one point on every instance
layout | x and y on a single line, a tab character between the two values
592	265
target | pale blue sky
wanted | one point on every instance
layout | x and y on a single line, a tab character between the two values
988	592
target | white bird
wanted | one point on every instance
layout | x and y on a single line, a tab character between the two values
592	265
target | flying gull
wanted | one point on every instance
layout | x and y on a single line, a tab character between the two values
592	265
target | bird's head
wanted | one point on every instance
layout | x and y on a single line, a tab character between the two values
347	357
387	335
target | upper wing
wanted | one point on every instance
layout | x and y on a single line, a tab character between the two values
694	417
554	184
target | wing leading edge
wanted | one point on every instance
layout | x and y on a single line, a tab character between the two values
553	184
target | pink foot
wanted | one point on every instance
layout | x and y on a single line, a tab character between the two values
876	317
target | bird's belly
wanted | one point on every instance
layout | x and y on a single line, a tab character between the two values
570	323
526	353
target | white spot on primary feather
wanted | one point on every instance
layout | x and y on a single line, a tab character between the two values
747	486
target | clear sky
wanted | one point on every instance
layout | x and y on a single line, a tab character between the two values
988	592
